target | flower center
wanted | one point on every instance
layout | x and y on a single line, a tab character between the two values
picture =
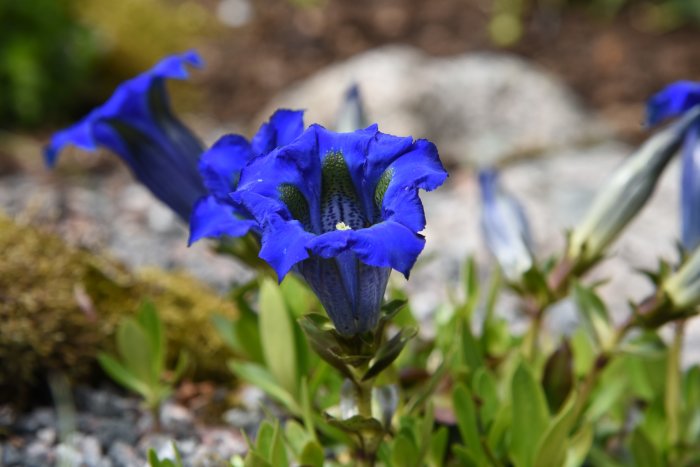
339	201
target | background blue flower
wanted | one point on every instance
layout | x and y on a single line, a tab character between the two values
342	209
505	227
137	124
673	101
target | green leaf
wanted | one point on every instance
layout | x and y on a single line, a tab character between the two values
278	452
183	362
583	351
553	446
530	416
122	375
277	335
264	439
468	423
135	350
405	452
595	314
324	340
358	424
471	287
471	353
153	327
486	390
296	435
579	446
466	457
643	451
605	397
312	455
260	377
438	447
299	299
388	352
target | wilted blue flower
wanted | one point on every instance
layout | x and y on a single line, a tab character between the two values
216	214
342	210
137	124
505	227
672	101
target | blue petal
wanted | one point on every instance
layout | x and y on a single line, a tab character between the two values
690	190
283	128
212	219
127	103
220	166
672	101
296	164
136	123
283	244
387	244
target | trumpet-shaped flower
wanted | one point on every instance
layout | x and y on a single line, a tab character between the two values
342	210
216	214
138	125
505	227
673	101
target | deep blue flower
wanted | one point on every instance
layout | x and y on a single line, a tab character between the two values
675	100
216	214
138	124
505	227
342	210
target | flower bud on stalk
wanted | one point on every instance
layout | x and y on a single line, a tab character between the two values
626	193
504	227
352	115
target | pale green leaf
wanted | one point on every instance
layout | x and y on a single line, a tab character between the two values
530	416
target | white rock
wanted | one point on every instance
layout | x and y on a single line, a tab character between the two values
478	108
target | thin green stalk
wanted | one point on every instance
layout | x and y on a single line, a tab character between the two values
673	385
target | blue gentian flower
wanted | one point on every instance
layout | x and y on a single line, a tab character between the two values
675	100
342	210
505	227
351	115
138	124
216	214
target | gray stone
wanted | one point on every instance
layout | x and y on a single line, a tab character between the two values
123	455
108	430
68	454
10	456
176	419
478	108
90	448
38	454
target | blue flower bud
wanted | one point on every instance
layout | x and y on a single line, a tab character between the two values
351	116
505	227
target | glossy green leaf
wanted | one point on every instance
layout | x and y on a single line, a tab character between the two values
594	313
324	340
388	352
297	296
312	455
553	445
583	351
150	323
357	424
264	439
471	287
486	390
296	436
643	451
404	452
134	348
530	416
260	377
122	375
438	447
278	451
466	457
277	335
579	446
468	422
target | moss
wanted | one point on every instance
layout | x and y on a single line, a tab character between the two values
59	306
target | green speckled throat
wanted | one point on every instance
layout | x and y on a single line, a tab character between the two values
340	204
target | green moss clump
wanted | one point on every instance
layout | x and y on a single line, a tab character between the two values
60	305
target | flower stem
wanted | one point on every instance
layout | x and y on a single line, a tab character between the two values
366	453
